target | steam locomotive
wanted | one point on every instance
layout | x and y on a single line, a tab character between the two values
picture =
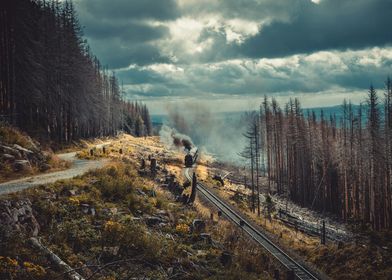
191	157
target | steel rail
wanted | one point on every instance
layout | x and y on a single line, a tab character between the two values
289	263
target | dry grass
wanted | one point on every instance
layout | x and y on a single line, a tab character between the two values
12	135
57	164
202	171
80	238
289	236
248	256
134	149
7	172
346	261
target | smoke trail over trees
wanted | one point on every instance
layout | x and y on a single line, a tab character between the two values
173	139
217	133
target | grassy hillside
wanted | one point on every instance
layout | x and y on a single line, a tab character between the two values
120	222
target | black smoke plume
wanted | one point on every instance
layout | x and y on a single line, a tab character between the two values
172	138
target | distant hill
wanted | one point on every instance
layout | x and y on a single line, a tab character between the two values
160	119
330	111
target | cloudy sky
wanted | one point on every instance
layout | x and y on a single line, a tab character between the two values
229	53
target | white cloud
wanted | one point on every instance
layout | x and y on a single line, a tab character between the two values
237	30
164	68
319	79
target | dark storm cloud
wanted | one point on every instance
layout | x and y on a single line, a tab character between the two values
127	32
116	53
119	32
258	9
245	9
140	76
331	24
134	9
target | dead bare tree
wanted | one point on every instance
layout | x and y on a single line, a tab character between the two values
325	164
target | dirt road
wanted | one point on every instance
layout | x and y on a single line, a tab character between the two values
78	167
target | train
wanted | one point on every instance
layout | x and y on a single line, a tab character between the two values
191	157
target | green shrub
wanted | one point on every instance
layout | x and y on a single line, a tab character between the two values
114	188
78	233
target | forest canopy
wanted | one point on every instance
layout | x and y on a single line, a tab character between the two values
51	85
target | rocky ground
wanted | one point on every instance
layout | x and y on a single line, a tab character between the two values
20	155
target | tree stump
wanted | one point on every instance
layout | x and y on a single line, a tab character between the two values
194	185
142	164
153	165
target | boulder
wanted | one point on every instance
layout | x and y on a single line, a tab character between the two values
72	192
22	150
33	226
162	213
142	172
11	151
34	145
140	192
112	251
22	165
87	209
225	258
6	220
17	216
5	206
44	167
206	237
198	225
170	271
154	220
7	157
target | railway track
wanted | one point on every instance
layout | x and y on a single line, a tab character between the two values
290	264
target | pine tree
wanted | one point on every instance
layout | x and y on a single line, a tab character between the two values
51	84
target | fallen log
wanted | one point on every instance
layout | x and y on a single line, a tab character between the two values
53	258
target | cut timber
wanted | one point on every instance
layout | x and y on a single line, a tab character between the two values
219	179
64	267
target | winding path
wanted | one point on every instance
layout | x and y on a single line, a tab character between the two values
78	167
